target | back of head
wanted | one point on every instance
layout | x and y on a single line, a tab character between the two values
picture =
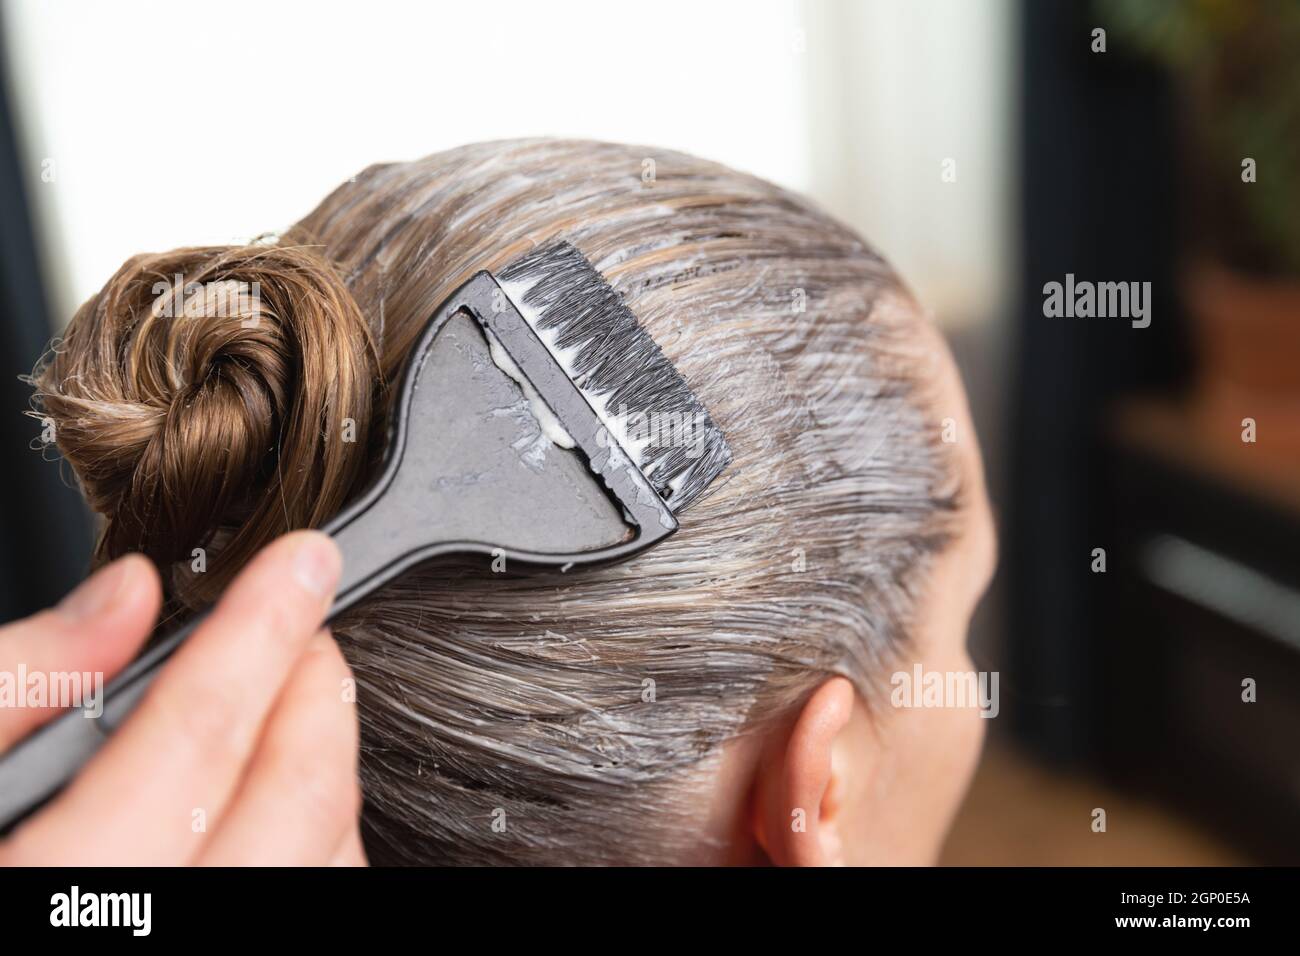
510	716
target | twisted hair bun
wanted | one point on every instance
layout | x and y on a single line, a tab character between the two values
213	398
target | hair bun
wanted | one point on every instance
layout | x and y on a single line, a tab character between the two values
213	398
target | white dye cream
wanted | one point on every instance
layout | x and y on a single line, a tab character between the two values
546	420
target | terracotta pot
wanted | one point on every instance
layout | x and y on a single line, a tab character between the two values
1247	330
1247	340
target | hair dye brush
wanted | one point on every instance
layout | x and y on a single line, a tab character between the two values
536	421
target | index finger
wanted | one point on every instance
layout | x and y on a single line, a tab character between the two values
165	778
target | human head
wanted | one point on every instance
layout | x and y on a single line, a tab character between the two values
720	698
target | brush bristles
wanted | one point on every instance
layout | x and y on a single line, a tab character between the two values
643	399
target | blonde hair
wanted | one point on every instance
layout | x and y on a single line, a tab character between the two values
583	711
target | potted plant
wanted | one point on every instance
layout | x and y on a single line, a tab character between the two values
1236	66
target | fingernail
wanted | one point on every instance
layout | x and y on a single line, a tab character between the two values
317	564
95	594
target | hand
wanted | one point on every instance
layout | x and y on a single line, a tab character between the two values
244	750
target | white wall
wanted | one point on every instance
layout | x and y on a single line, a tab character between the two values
166	124
895	89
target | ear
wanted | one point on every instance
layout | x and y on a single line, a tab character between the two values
798	788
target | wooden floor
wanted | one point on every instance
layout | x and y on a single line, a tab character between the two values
1021	814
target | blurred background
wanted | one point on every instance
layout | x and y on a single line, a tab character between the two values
1145	621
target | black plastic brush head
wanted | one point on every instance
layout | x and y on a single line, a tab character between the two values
538	421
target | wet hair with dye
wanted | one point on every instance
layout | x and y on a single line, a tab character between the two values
514	716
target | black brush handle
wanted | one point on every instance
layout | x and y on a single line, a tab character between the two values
41	764
45	761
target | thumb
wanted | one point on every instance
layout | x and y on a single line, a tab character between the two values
93	631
